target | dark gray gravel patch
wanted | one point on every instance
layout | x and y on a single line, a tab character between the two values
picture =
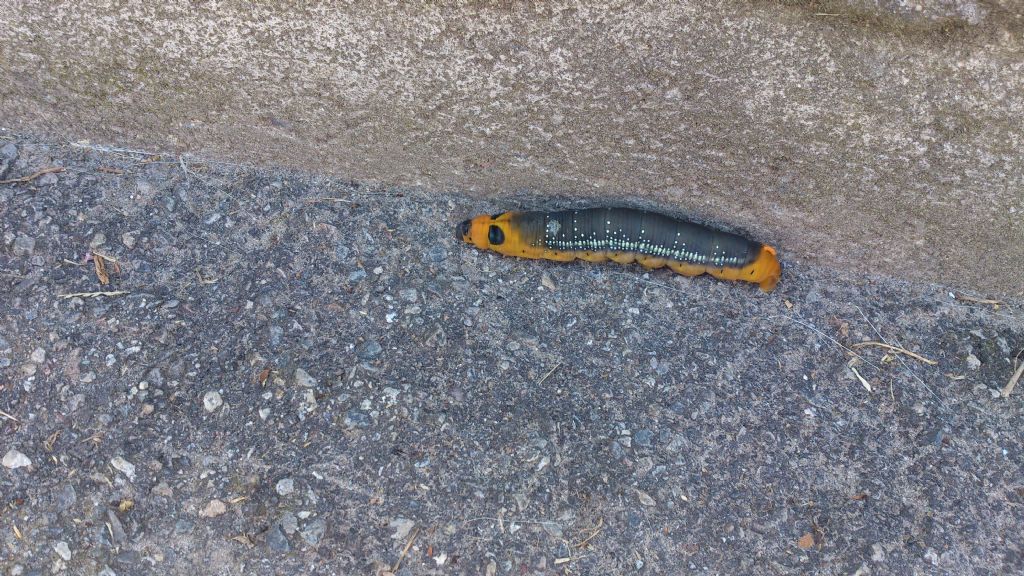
512	417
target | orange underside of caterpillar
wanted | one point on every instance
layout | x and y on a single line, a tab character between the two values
760	264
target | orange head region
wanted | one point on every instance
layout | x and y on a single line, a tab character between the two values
766	269
491	233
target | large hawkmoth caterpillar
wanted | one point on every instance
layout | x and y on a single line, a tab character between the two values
625	235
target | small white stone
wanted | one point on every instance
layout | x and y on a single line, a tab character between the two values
390	396
39	355
402	527
62	550
212	401
972	362
285	486
123	466
645	498
302	378
15	459
264	413
213	509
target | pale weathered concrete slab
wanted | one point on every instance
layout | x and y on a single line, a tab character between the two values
882	136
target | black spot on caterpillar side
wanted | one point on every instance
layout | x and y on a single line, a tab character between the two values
635	231
495	236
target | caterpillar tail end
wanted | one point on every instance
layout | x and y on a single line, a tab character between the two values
769	270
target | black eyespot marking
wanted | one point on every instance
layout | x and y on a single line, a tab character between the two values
495	236
462	230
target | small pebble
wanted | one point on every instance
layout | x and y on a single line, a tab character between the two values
289	523
15	459
123	466
645	498
341	251
128	239
402	527
643	438
48	179
285	486
409	294
213	509
357	419
99	239
63	550
357	275
163	489
212	401
302	378
369	350
972	362
9	151
313	532
38	355
276	539
276	333
66	498
24	245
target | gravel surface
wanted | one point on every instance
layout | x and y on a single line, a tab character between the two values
295	374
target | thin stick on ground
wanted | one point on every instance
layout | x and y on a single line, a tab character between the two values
863	382
8	416
33	175
405	550
93	294
596	531
110	150
897	349
327	199
900	359
550	372
1013	381
965	298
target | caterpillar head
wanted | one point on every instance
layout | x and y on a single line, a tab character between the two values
483	231
766	269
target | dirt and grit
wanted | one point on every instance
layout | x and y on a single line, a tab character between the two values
217	368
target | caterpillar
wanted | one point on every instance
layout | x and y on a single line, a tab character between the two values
625	235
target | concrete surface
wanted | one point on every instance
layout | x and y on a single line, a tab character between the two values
876	136
311	376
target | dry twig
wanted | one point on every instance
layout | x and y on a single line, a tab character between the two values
550	372
963	297
327	199
597	530
101	269
1013	381
92	294
897	349
33	176
405	550
861	378
8	416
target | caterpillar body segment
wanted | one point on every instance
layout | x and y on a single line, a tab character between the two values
625	235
